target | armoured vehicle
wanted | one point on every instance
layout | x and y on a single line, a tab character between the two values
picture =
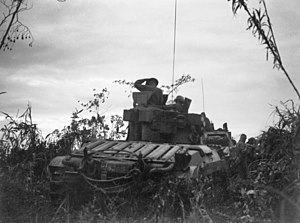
161	141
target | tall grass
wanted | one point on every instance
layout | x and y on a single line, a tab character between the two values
270	194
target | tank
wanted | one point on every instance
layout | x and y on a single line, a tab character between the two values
161	141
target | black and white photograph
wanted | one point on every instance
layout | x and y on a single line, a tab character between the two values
149	111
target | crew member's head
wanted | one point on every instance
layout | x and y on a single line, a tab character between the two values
179	99
152	81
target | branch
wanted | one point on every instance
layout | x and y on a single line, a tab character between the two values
15	29
19	2
256	23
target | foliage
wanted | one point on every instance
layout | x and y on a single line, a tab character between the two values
259	23
168	89
85	127
12	29
184	79
270	193
23	199
272	188
20	134
169	200
23	162
25	155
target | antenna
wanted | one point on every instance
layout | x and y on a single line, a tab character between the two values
203	104
174	48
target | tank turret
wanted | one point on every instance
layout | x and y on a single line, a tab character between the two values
166	123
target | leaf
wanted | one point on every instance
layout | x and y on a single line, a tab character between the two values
7	115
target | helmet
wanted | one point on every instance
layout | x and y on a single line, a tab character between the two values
179	98
152	79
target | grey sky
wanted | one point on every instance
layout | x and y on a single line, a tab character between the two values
82	45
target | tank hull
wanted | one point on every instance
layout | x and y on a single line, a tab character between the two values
115	166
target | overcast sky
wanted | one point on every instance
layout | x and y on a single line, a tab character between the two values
84	45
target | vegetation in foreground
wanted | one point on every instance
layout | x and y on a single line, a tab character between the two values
269	194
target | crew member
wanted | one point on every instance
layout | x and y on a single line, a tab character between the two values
241	150
178	105
156	97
